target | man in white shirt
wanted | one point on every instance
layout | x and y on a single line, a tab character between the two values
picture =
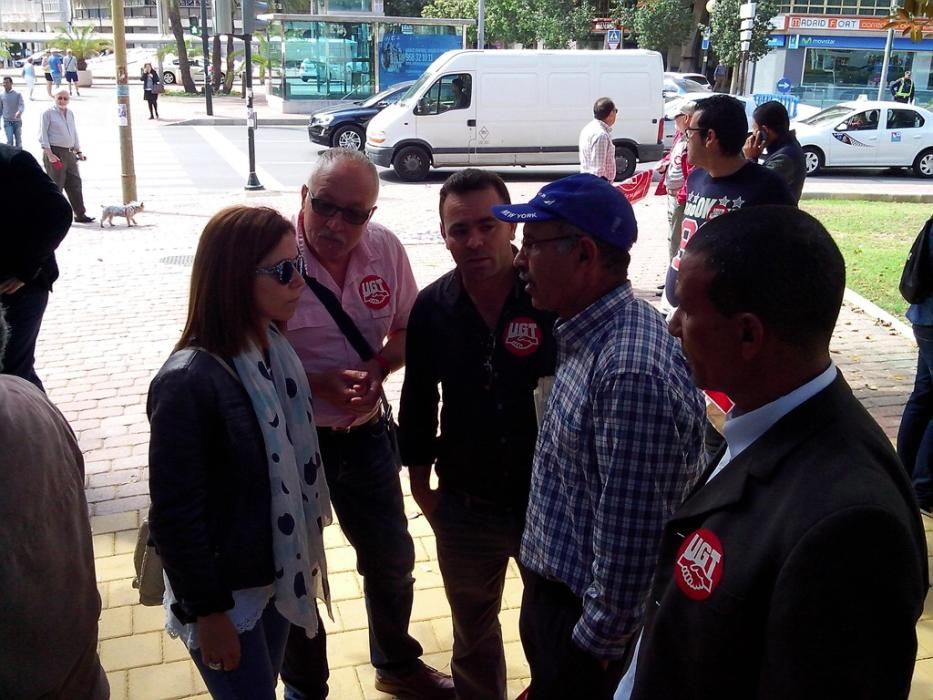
597	152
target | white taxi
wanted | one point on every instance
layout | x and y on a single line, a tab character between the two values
868	134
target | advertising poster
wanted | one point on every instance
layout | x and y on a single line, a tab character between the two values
404	56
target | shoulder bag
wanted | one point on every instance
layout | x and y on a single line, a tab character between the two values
917	277
363	349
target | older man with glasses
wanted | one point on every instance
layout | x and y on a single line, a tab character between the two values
61	149
619	443
349	331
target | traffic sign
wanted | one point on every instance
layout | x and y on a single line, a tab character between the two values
783	86
614	38
704	45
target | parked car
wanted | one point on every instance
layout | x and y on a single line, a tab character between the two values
695	77
345	125
682	86
868	134
672	105
171	71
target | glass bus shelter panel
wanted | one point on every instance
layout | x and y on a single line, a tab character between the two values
326	60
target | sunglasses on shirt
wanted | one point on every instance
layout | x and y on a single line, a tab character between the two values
285	270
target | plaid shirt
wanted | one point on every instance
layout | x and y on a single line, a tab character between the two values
597	152
620	444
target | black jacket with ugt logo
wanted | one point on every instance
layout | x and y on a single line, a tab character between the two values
798	572
487	421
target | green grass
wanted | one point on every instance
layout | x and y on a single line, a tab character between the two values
874	238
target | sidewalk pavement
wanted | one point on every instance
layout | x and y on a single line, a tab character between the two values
111	322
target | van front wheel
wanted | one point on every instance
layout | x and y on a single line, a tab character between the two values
625	162
412	164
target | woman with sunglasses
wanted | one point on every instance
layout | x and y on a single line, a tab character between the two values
239	500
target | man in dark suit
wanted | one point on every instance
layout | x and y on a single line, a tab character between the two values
36	218
797	567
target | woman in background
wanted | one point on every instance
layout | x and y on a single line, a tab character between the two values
152	86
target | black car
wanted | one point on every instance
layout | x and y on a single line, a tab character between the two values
345	125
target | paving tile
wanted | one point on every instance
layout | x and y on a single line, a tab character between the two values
121	592
367	679
344	586
118	681
131	652
115	622
113	522
148	618
341	559
430	604
348	648
163	682
352	614
515	663
173	649
345	684
103	545
116	567
125	541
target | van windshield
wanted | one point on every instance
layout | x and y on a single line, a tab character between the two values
425	77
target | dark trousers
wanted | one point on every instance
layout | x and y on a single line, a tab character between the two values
307	658
915	436
67	178
559	668
474	543
367	498
24	311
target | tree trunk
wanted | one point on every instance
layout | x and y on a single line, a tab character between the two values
215	64
689	52
231	67
174	21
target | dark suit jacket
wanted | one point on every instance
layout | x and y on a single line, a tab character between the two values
34	218
786	158
807	576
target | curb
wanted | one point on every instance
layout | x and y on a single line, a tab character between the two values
871	309
923	198
240	121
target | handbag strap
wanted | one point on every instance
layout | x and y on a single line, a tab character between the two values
341	318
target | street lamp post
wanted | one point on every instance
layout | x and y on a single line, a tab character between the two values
888	45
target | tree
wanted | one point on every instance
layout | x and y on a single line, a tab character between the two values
81	42
404	8
658	24
914	19
724	30
174	22
553	22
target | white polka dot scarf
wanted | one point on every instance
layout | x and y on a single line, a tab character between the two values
281	400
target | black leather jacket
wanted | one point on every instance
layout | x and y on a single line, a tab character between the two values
786	158
209	482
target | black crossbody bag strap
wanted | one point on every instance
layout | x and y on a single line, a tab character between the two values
342	318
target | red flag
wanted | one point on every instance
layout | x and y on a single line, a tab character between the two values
721	401
636	187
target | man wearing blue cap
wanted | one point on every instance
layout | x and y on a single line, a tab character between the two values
619	444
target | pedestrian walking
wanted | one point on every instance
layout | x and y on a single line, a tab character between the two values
11	106
475	335
70	66
48	620
58	136
620	441
773	138
55	67
239	503
721	77
152	87
753	595
915	435
38	219
349	332
29	75
46	71
596	151
674	171
902	89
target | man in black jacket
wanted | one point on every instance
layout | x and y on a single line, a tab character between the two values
772	136
797	568
38	217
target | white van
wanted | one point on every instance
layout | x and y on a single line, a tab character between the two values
520	108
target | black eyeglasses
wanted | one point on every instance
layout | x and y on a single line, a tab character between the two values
529	245
356	217
695	129
283	271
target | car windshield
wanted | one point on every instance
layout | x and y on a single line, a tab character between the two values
831	114
425	77
389	95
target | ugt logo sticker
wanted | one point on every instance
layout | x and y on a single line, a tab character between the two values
522	336
698	566
374	292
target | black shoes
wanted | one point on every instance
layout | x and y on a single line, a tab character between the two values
84	219
425	683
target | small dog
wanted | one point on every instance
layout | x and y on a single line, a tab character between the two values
127	210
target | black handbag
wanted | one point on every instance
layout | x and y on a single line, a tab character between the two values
917	277
363	349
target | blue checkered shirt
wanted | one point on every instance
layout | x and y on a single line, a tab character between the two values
620	443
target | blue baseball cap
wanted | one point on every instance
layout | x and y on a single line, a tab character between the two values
588	202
